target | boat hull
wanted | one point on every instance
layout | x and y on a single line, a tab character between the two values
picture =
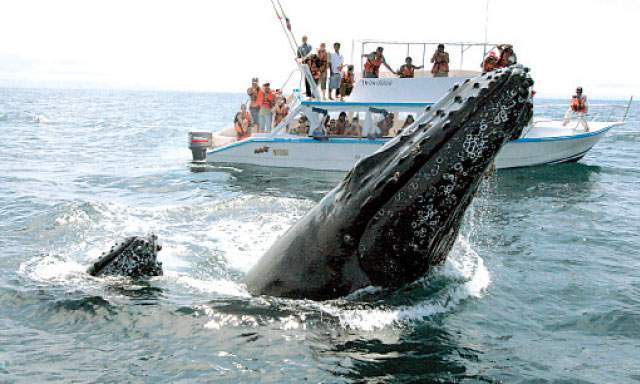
341	154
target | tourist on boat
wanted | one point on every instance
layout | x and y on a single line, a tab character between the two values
342	124
374	61
336	62
354	128
242	123
579	107
280	111
408	121
254	107
323	65
303	126
440	60
348	79
407	70
266	100
304	49
312	62
385	125
490	61
507	56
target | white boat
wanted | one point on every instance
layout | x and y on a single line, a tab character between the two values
543	142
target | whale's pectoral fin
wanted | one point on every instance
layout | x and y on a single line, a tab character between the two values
136	256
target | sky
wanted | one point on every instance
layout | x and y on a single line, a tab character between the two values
217	46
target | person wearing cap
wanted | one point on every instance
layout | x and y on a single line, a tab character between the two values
374	61
440	60
579	107
266	101
407	70
254	107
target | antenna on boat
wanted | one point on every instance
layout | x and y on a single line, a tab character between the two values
486	28
286	25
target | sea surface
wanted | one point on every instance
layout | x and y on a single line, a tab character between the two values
542	286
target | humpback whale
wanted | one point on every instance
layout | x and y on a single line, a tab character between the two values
135	257
397	213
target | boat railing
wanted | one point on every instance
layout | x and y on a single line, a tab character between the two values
422	50
602	112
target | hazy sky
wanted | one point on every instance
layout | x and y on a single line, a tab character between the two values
220	45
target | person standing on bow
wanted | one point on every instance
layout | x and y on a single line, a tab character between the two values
579	107
266	101
254	107
374	61
440	60
336	61
407	70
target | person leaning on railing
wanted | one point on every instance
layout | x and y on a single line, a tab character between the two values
579	107
374	61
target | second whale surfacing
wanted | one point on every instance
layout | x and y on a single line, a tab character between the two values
398	211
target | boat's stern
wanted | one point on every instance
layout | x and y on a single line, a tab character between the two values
199	143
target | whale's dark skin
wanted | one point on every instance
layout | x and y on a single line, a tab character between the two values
135	257
398	211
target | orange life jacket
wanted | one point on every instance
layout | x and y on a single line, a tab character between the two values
265	102
578	104
439	66
407	71
373	66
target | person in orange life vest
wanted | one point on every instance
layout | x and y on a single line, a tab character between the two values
266	100
440	60
280	111
579	107
373	63
407	70
323	66
254	107
507	56
346	85
242	122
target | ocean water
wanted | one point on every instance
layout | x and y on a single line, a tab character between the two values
542	286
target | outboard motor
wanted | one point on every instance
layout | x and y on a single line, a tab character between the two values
199	142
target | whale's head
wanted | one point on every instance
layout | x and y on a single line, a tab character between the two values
398	211
409	197
135	257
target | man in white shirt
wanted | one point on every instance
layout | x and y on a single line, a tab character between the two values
336	62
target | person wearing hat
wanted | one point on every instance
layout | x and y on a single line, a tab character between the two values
579	107
254	107
440	60
266	101
374	61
